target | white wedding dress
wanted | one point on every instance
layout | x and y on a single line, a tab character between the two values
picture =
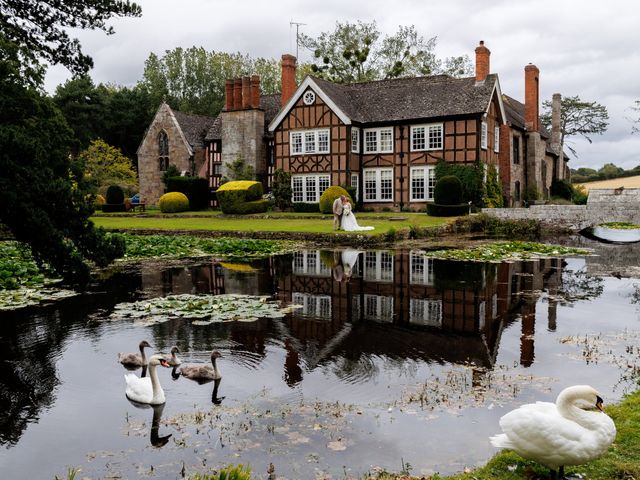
349	222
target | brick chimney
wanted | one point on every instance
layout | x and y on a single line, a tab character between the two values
237	94
255	91
288	77
228	95
531	97
246	92
482	62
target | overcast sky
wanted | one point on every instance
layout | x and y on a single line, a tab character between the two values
582	47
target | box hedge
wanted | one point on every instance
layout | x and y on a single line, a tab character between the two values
232	197
437	210
329	196
195	188
173	202
303	207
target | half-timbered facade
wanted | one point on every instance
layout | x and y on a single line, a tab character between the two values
385	138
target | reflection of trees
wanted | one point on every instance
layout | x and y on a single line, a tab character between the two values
578	285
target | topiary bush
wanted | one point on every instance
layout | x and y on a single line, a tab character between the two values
115	195
471	177
114	200
329	196
448	191
173	202
232	195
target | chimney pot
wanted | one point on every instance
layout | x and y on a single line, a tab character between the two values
228	95
246	92
288	77
482	62
255	91
237	94
531	97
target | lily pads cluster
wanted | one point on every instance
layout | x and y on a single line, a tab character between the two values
202	309
181	246
29	296
507	251
620	225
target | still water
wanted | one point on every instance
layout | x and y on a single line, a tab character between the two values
390	359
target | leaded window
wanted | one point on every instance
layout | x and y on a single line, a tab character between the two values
426	137
423	183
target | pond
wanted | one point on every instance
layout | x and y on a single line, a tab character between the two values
390	359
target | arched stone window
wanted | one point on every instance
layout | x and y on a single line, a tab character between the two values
163	150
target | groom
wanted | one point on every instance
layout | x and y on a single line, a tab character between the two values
338	205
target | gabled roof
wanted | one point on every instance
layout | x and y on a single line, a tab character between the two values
194	127
400	99
269	103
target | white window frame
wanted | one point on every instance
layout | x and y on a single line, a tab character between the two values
304	189
420	269
426	312
309	263
428	145
311	305
496	139
377	172
377	133
378	308
378	266
355	140
483	136
355	183
429	176
309	141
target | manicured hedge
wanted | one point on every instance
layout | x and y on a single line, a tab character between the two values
115	195
306	207
111	207
448	191
232	195
328	197
257	206
173	202
437	210
195	188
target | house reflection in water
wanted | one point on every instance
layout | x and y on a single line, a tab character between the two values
355	304
405	305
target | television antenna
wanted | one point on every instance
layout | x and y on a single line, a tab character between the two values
297	24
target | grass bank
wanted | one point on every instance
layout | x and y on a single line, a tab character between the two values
280	222
622	461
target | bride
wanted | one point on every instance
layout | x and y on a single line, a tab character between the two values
348	221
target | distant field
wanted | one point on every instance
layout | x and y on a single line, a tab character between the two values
627	182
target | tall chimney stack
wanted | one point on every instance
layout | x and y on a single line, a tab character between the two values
531	97
228	95
556	103
288	77
237	94
482	62
255	91
246	92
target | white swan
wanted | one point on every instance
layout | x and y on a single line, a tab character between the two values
148	389
134	360
559	434
203	373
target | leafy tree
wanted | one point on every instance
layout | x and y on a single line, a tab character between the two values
238	170
356	52
282	189
39	29
83	106
105	165
577	118
193	79
492	195
44	199
609	170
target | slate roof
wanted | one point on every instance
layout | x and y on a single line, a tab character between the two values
403	99
269	103
515	115
194	127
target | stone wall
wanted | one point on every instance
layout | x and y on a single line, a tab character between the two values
242	137
604	205
151	186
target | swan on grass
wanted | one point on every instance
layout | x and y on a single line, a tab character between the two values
148	389
559	434
203	373
133	361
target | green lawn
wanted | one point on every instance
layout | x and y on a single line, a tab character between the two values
280	222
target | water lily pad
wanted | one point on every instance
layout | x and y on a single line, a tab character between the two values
507	251
202	309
